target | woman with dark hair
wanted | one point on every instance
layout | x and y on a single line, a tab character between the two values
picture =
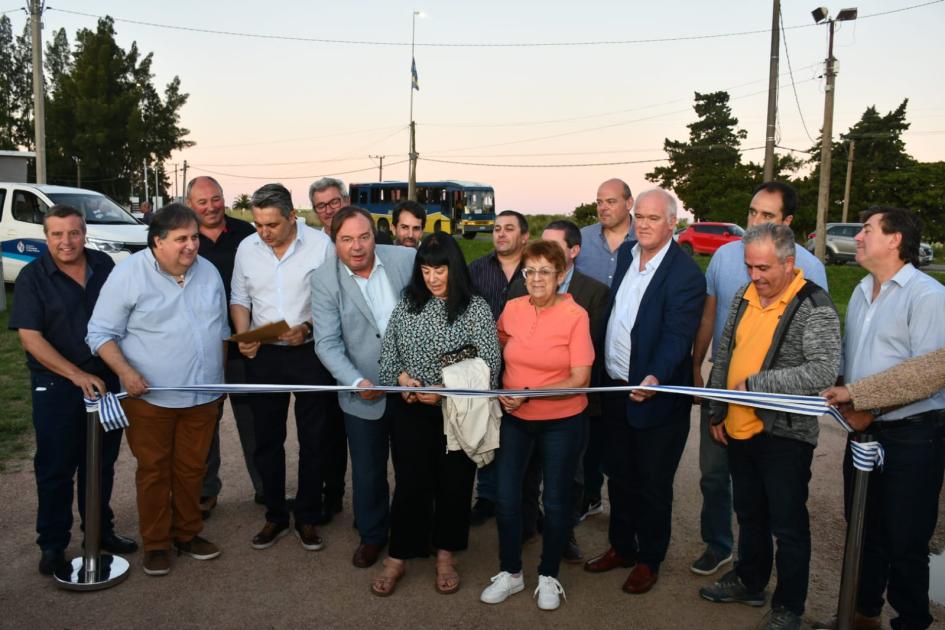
438	316
546	344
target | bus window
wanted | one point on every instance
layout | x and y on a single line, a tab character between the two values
376	195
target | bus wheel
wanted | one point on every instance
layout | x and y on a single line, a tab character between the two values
469	235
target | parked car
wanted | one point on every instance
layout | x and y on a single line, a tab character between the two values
111	229
841	244
708	236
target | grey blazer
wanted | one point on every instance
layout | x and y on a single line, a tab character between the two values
347	340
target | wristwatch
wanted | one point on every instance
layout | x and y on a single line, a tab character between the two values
309	328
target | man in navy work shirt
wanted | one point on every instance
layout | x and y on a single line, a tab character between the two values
219	237
53	300
492	275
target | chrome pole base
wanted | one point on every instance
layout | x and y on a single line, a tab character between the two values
110	571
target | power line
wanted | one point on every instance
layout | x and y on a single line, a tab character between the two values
282	177
288	140
357	42
797	100
620	163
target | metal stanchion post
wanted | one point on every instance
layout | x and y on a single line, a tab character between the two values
93	570
853	551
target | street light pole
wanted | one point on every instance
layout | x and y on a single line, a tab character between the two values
847	183
412	171
78	171
826	144
772	92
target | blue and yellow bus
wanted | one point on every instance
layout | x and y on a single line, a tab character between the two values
453	206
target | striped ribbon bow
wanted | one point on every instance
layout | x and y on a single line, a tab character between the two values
867	455
110	412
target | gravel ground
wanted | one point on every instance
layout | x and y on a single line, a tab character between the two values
286	586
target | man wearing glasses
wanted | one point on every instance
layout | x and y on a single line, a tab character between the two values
328	196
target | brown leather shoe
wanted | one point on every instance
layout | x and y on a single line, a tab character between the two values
608	560
309	537
269	534
366	555
157	562
640	580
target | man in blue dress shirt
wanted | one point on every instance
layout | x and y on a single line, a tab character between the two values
161	321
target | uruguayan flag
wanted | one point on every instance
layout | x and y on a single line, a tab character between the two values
110	412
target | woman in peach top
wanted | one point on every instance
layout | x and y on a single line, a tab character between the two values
546	344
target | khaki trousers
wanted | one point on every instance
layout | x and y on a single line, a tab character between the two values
171	447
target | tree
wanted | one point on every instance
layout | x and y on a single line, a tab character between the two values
8	106
58	61
706	172
585	214
242	202
104	109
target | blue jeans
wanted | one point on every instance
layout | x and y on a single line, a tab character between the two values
770	477
901	511
369	441
559	446
716	485
60	421
486	481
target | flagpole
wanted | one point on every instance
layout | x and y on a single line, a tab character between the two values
412	170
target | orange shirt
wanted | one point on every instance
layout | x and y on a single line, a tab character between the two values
752	340
540	349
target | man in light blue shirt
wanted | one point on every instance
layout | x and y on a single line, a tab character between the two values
600	241
161	321
772	202
895	313
352	299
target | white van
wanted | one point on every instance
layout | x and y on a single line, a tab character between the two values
111	229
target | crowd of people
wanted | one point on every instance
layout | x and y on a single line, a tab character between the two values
615	303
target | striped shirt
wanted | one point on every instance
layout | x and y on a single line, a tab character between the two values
490	282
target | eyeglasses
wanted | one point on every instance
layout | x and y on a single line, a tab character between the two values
544	273
334	204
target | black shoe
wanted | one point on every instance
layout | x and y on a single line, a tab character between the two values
326	515
51	561
113	543
482	511
334	504
572	552
206	506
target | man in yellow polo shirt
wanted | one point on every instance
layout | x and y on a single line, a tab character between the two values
782	336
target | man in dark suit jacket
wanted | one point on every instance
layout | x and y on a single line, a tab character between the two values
593	296
352	299
658	293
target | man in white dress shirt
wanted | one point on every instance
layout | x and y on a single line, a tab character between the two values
271	279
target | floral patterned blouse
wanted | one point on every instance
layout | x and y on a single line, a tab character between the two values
414	342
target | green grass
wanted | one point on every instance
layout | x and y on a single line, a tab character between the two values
16	419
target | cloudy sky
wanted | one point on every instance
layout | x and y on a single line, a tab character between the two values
280	106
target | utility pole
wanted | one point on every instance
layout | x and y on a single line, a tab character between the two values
78	171
147	195
846	185
176	193
772	91
184	178
826	145
157	190
39	99
380	168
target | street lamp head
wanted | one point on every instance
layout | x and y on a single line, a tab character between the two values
820	14
419	13
846	15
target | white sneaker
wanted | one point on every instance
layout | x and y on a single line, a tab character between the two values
549	593
503	585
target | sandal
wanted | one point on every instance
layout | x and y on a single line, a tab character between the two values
385	582
447	579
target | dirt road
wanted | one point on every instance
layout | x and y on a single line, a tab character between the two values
286	586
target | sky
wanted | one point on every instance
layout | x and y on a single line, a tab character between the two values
526	119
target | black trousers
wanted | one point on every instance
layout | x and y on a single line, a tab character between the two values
901	512
336	459
640	465
290	365
433	491
770	476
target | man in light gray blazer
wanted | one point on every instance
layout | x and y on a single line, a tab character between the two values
352	299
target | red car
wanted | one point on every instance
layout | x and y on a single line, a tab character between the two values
708	236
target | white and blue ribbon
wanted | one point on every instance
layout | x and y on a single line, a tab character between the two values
867	455
111	415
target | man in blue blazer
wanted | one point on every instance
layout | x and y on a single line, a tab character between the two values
352	299
656	305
